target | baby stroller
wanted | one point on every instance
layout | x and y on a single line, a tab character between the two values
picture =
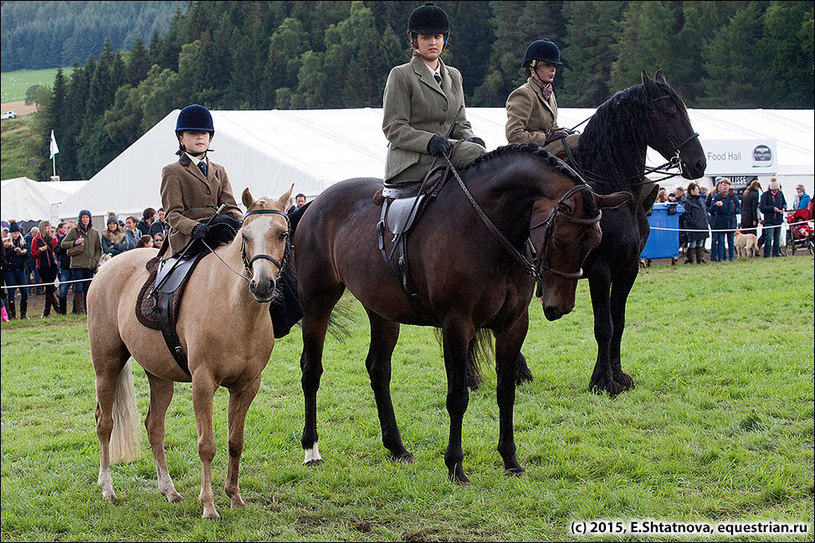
799	232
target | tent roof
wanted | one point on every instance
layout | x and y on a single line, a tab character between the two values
267	151
25	199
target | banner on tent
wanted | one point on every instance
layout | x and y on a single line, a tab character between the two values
741	157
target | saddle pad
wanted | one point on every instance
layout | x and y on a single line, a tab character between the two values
144	303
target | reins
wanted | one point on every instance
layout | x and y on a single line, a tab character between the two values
531	268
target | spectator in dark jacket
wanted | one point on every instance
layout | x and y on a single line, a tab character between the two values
146	221
113	238
84	264
695	220
749	207
772	204
159	225
16	255
723	207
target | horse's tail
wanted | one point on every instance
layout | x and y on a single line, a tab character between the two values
480	347
125	440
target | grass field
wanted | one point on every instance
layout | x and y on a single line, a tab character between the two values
15	84
16	148
718	429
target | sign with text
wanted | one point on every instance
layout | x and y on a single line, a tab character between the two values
740	157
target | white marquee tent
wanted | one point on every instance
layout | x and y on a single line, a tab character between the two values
269	150
25	199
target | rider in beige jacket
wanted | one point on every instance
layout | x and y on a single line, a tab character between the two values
418	111
532	107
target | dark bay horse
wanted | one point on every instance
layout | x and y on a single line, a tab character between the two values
611	156
225	329
467	280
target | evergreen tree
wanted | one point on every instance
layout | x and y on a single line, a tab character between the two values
786	50
732	62
138	63
588	52
54	119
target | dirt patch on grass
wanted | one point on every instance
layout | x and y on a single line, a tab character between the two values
19	107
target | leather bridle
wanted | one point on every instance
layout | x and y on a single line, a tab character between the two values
560	209
286	254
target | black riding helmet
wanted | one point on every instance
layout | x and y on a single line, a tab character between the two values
428	19
542	50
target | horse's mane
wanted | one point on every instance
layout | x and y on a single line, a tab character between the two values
527	148
536	151
617	126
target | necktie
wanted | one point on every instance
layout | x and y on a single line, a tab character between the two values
203	167
437	77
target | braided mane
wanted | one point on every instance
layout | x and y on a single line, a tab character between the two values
531	149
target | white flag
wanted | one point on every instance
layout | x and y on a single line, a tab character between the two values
54	148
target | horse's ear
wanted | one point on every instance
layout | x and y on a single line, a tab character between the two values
615	199
283	202
648	82
659	77
246	198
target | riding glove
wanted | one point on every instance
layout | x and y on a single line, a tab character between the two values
200	231
438	145
479	141
556	135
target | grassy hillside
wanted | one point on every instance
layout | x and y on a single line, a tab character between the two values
15	84
17	138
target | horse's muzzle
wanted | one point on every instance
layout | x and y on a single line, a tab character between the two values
553	313
263	290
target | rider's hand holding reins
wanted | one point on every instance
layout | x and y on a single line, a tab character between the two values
438	145
200	231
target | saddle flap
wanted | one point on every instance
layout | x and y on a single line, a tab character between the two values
179	273
400	214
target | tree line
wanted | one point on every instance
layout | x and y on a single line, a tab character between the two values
38	35
329	54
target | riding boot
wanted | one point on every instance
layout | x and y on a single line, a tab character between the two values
690	255
700	255
46	311
11	310
82	296
76	310
23	309
63	305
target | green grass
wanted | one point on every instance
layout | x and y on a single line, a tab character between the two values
719	428
15	146
15	84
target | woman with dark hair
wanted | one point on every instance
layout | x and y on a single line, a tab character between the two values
420	104
749	207
43	246
84	242
16	254
695	220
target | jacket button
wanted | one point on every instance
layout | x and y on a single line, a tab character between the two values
207	191
444	109
441	123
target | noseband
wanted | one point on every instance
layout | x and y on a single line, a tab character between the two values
280	265
560	209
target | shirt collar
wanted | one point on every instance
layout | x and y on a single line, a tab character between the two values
196	160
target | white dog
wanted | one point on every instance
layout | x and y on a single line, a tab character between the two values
746	244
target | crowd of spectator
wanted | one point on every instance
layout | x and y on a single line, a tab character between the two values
70	251
715	215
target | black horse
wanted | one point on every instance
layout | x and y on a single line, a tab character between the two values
611	157
468	274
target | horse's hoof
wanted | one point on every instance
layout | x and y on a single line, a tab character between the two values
625	380
457	476
211	514
112	498
405	457
610	387
237	503
515	472
313	462
175	497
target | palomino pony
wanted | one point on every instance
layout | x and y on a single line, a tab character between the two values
224	327
611	156
465	273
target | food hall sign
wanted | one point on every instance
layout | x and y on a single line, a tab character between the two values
740	157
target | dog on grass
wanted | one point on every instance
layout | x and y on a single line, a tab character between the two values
746	244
